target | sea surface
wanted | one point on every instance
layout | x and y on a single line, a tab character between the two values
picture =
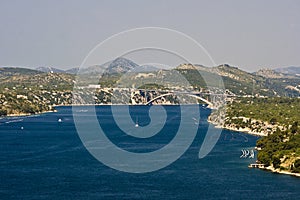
42	157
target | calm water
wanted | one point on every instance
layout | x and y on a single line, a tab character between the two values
46	160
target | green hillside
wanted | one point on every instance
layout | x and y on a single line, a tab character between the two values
23	90
279	118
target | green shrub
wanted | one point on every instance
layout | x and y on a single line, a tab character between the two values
3	112
276	162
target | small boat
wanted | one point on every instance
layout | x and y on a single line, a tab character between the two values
82	111
251	154
59	120
136	123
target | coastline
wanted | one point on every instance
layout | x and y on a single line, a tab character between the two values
244	130
248	131
28	114
54	106
278	171
108	104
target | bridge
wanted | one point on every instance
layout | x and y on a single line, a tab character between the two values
192	94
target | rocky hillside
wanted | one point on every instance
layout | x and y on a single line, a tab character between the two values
41	90
269	73
25	91
242	83
15	77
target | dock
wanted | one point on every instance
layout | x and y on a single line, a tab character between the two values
256	165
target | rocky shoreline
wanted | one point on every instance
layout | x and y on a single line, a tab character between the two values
248	131
244	130
28	114
278	171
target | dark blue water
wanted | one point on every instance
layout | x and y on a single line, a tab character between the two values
46	160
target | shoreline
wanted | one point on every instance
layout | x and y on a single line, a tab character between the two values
69	105
119	104
278	171
247	131
28	114
243	130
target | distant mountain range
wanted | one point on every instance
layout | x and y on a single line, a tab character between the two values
289	70
122	65
285	72
278	82
49	69
119	65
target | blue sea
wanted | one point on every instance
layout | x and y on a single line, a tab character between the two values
43	157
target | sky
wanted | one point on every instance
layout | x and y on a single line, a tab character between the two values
60	33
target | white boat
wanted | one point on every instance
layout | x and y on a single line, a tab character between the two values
136	123
251	154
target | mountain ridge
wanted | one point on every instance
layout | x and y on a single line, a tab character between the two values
264	82
119	64
291	70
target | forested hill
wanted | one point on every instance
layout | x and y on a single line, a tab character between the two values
278	119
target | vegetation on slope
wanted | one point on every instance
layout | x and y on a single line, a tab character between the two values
26	91
281	110
240	82
281	148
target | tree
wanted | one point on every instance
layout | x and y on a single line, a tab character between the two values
273	120
297	163
264	158
28	109
276	162
296	167
3	112
294	127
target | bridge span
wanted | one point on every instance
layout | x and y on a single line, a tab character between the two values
210	104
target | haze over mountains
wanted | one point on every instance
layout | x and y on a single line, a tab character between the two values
282	81
119	65
122	65
289	70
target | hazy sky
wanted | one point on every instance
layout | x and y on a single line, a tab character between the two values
248	34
